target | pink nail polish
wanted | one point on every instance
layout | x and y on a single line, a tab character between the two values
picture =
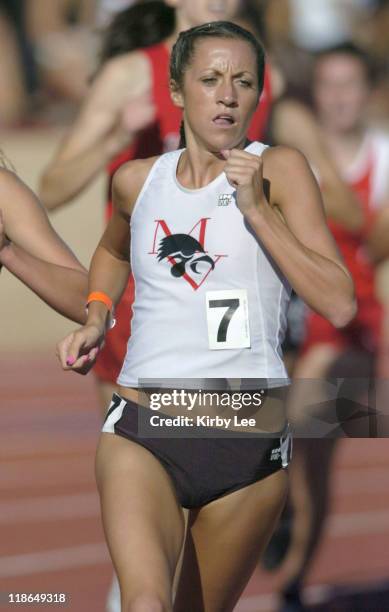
70	361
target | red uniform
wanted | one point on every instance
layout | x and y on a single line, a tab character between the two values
161	136
369	178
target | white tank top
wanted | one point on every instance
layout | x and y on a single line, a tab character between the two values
372	159
210	303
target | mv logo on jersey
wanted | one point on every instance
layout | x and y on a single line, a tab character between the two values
185	253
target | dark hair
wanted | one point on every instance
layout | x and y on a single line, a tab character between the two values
143	24
252	13
379	5
183	49
354	51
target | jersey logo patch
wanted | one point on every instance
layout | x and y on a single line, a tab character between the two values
224	199
186	255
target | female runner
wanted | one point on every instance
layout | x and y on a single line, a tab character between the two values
127	115
222	215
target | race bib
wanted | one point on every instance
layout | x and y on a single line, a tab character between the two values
228	319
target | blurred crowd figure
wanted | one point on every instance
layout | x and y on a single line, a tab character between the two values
330	73
341	88
50	50
107	9
334	60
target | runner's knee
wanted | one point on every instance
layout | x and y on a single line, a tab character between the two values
147	602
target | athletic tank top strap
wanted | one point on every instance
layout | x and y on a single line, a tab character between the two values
158	56
380	174
163	167
260	118
359	177
168	116
362	184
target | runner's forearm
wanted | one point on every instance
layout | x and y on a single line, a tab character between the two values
323	284
64	179
63	289
108	274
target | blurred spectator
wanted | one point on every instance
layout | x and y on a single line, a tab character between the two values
16	74
107	9
323	24
372	33
341	89
297	29
293	62
65	47
143	24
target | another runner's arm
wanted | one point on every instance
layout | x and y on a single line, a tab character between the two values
98	133
27	224
295	126
61	288
36	254
294	231
377	238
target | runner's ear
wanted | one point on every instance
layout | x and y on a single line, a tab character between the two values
176	94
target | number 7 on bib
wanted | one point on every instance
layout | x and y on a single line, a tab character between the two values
228	319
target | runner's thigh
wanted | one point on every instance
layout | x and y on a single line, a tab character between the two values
142	519
224	544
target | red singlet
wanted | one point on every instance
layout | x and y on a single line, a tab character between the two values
369	179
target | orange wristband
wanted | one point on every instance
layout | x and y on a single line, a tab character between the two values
100	296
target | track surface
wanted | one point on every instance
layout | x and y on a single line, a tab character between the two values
51	535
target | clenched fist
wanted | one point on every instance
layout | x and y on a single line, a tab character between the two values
244	172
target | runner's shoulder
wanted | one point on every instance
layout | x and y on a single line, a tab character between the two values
282	160
125	68
10	182
129	179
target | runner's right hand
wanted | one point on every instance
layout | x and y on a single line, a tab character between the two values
79	350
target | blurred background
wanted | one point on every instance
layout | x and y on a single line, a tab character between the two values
52	539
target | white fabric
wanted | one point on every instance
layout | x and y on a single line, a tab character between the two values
114	417
320	23
380	177
374	153
107	9
169	337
